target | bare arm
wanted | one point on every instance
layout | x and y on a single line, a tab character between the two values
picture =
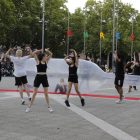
66	57
62	85
35	56
50	54
38	51
116	57
76	58
7	53
2	57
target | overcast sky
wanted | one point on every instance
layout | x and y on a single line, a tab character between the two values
73	4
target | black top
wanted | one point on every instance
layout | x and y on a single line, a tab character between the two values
119	68
41	67
137	70
73	70
129	70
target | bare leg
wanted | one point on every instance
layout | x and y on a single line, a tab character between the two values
77	90
117	88
130	88
121	92
26	89
21	91
69	90
33	97
46	96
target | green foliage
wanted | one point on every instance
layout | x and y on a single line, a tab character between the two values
56	27
7	19
19	25
125	13
27	29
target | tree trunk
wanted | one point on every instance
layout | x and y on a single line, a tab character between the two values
108	54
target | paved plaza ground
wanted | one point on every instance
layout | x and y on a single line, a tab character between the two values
99	119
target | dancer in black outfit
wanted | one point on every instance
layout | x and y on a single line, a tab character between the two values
136	68
119	79
73	77
129	70
41	77
0	64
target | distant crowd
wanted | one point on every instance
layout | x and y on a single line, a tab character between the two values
104	67
7	68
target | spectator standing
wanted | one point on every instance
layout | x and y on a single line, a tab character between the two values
114	69
0	64
129	70
107	70
136	68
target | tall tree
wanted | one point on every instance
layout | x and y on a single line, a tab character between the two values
56	26
27	29
7	19
77	28
93	27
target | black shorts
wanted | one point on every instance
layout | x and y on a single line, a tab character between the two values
41	79
119	81
73	78
20	80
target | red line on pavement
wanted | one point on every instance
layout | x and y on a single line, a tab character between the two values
86	95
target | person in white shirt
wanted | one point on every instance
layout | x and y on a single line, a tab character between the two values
105	66
19	71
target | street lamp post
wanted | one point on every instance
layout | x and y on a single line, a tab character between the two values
113	36
43	24
43	21
84	35
117	32
132	42
100	39
68	36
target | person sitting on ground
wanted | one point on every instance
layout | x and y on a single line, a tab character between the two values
62	87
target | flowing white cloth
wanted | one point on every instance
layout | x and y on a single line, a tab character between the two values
90	76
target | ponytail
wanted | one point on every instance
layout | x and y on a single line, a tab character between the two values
40	56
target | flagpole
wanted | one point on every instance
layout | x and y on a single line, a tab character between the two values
43	20
132	42
68	36
100	39
113	36
84	35
117	32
